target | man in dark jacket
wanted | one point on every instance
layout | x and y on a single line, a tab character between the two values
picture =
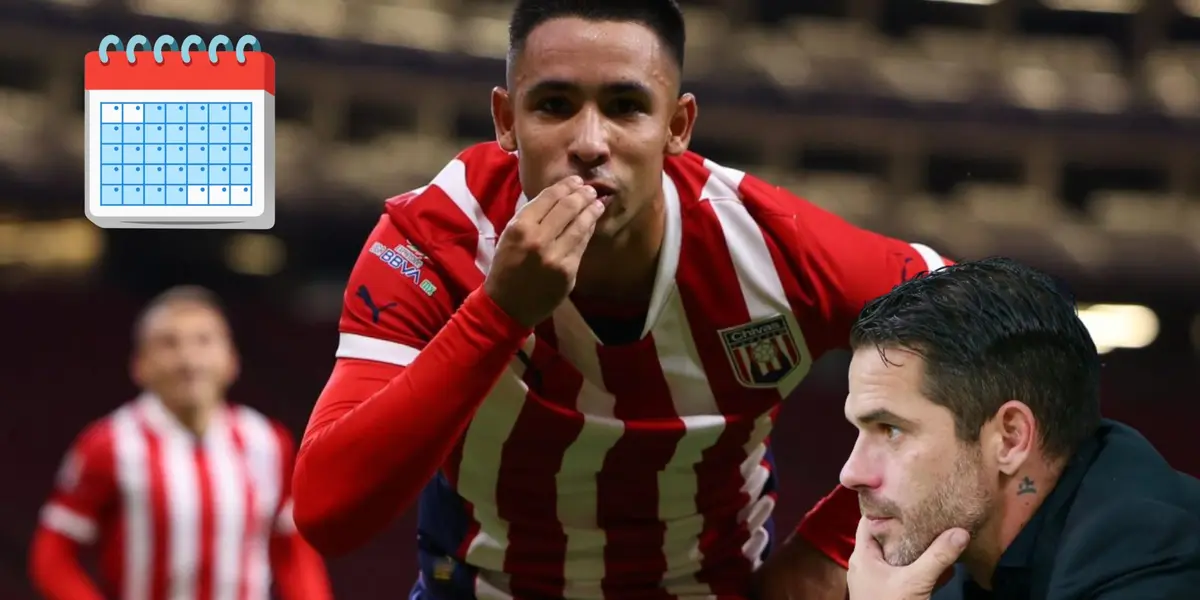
976	394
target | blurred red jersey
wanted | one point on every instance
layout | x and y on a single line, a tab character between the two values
173	516
631	470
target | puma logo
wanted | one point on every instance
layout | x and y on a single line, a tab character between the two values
375	310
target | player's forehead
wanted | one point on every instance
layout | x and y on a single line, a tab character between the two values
171	317
593	54
886	380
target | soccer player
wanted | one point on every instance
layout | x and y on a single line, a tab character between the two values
976	393
573	343
184	495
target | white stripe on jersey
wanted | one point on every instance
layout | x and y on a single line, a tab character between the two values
453	181
353	345
69	523
933	260
133	479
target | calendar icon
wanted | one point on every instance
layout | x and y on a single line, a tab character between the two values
180	136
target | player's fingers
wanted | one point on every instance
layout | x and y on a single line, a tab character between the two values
565	212
574	239
940	555
537	209
865	545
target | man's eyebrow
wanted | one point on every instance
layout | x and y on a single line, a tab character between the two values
882	415
615	87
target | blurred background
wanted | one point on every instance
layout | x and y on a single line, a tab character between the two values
1065	133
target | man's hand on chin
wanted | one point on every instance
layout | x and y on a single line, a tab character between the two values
798	571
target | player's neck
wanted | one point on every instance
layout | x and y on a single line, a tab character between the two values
1020	499
622	265
195	418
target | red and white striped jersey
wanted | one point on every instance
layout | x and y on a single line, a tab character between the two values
175	516
620	471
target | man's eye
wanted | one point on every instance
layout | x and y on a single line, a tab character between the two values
554	106
891	432
626	106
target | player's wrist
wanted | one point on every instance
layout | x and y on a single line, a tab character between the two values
492	320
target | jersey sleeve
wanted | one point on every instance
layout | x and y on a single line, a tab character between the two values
84	488
394	302
849	266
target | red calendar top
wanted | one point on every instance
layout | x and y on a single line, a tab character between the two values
256	73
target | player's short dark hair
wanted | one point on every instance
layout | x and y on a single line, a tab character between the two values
991	331
663	17
194	295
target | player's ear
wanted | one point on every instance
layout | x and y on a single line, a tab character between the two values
502	117
683	120
1013	436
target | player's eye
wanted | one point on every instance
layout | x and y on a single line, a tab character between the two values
553	106
626	106
891	432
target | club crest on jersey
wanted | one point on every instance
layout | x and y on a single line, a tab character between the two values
762	352
406	259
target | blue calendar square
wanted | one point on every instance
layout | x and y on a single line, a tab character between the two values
241	175
240	134
156	113
111	175
110	155
197	113
110	195
197	134
156	194
111	134
218	154
197	153
241	113
133	134
177	113
156	154
134	154
134	194
240	155
156	134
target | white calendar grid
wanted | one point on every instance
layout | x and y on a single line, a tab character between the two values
179	153
247	198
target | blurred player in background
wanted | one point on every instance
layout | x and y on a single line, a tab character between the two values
573	344
184	495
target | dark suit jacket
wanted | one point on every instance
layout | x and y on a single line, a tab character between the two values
1121	524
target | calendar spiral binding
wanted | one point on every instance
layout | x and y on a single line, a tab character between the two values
184	49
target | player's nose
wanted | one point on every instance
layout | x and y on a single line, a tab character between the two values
589	145
858	472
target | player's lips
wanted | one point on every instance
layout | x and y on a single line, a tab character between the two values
604	193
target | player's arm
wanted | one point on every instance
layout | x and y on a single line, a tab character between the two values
84	491
1140	551
296	567
411	372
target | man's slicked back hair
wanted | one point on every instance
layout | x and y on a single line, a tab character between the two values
991	331
194	295
663	17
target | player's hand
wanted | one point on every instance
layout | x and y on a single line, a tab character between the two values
871	577
539	252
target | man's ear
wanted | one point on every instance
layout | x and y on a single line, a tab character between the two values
683	121
1013	436
502	118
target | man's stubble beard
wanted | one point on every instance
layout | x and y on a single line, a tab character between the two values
960	500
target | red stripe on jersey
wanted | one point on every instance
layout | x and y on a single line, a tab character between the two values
204	574
496	195
250	525
160	528
627	486
712	298
527	485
